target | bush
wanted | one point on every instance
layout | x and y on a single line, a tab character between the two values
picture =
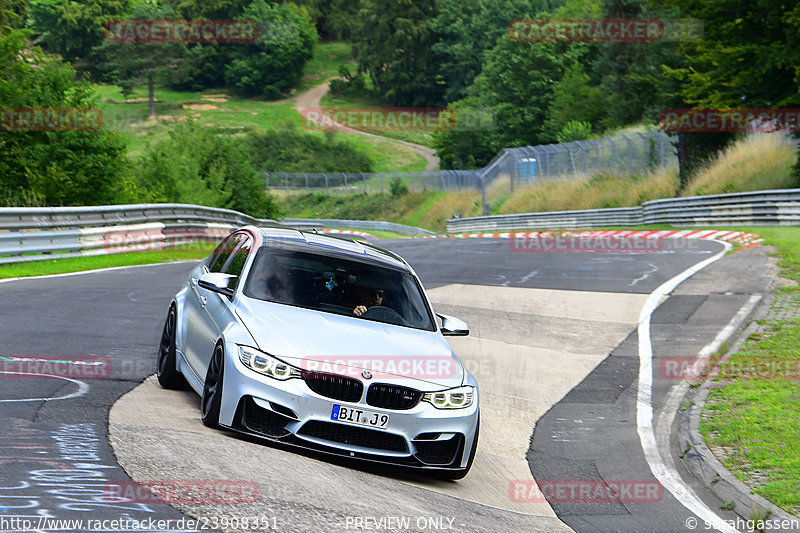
198	166
397	187
295	151
55	167
274	63
574	130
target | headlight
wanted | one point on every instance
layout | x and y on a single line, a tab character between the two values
457	398
264	363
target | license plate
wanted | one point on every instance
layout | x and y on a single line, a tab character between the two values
359	417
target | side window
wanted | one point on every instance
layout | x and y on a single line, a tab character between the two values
236	262
220	258
213	257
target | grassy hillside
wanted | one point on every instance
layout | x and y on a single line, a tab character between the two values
221	109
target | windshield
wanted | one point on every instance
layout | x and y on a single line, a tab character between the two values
334	285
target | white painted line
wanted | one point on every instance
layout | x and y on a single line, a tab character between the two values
83	388
107	269
644	407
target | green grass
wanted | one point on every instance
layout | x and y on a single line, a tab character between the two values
422	137
212	108
328	56
753	413
186	252
224	110
381	234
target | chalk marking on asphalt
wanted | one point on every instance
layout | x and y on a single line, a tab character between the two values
644	408
83	388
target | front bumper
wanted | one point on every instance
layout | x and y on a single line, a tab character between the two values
289	411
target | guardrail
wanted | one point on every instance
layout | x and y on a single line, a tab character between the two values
308	223
40	233
760	208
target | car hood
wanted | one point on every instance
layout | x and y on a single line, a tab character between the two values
327	342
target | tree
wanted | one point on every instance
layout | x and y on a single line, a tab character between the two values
574	130
746	59
72	29
199	166
54	167
466	148
574	99
748	54
274	63
394	47
12	13
135	63
465	29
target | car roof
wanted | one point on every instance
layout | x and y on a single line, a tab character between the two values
318	243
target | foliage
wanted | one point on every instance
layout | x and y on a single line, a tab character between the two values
197	166
397	187
274	63
747	58
465	148
131	63
394	48
574	99
72	29
348	83
294	151
54	167
465	30
574	130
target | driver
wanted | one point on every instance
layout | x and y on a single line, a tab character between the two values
376	297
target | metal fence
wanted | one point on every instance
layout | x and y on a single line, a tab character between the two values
371	182
622	154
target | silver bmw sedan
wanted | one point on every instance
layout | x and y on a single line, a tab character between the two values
323	343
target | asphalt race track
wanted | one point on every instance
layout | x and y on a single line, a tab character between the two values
554	346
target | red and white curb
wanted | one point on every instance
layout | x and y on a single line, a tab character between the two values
349	232
742	238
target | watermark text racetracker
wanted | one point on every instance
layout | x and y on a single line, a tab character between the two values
183	492
181	31
73	367
563	243
686	367
425	367
50	119
729	120
629	30
586	491
397	119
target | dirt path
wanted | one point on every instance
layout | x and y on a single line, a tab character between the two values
311	100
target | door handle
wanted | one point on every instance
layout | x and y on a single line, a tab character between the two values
194	282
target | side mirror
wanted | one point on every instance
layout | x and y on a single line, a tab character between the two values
453	327
217	282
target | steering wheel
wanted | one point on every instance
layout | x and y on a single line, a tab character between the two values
381	313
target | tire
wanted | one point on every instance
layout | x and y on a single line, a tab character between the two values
461	473
166	364
212	388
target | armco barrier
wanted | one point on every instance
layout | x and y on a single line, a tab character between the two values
760	208
307	223
40	233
